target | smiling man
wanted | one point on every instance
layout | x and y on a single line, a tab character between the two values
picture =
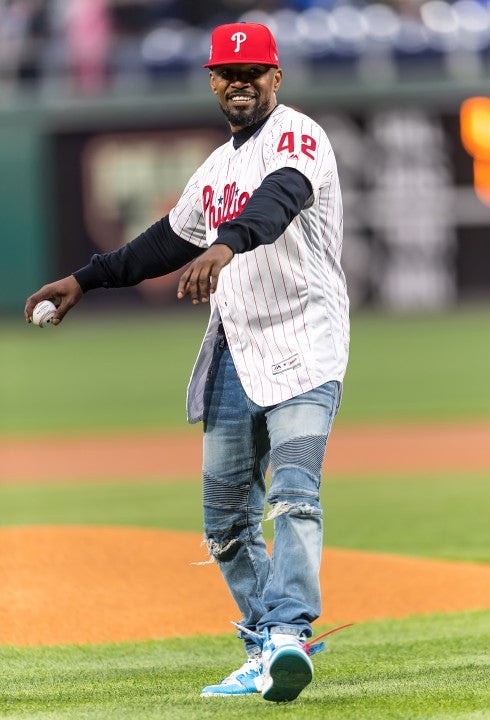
261	224
245	107
245	73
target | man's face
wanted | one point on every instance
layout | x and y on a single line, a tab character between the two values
246	93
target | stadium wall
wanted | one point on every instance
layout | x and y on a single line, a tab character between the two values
66	165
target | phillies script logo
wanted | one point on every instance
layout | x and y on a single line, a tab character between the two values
227	207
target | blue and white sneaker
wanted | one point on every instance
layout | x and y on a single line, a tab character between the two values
287	667
244	681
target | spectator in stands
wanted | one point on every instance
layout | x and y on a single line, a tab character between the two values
88	33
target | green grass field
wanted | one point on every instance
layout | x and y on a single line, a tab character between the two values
431	667
115	374
118	372
380	514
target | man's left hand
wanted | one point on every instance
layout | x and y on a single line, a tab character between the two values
201	277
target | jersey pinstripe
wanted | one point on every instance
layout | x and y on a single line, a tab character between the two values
284	306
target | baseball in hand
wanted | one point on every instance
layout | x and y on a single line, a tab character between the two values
43	313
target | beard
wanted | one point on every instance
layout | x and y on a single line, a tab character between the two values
244	117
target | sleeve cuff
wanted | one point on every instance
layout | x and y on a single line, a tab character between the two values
237	241
90	278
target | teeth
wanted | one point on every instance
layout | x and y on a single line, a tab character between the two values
241	97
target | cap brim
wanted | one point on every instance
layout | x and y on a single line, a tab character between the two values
241	62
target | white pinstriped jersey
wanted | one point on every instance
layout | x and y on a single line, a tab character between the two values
284	306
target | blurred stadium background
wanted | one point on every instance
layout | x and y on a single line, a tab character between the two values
105	112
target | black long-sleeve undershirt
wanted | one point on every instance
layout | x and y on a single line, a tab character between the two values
280	197
159	250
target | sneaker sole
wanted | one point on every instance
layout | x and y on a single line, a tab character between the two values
227	695
290	673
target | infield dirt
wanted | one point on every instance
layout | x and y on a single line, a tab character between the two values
355	449
104	584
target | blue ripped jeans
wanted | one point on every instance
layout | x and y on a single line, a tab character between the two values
281	592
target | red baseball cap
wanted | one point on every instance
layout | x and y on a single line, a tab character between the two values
242	42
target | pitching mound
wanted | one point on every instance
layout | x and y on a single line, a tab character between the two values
106	584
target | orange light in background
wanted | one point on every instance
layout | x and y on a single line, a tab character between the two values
481	176
475	136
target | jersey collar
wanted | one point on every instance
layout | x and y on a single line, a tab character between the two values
241	136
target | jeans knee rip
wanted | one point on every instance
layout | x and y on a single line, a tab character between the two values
284	507
225	551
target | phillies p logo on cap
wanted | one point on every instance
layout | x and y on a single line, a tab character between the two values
237	43
239	38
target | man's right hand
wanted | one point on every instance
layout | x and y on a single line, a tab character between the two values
63	293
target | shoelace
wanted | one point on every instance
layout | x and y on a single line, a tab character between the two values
311	648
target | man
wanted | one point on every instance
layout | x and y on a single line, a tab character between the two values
261	223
